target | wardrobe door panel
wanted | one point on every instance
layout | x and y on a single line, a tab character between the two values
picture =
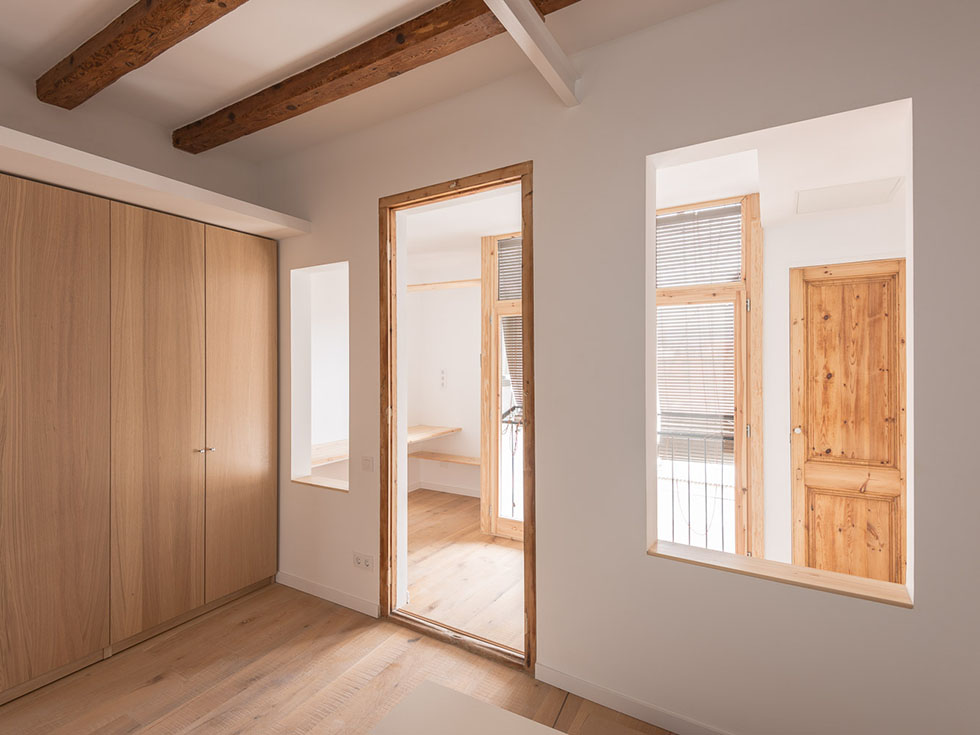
54	429
242	316
157	418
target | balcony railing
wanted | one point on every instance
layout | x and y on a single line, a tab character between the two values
696	488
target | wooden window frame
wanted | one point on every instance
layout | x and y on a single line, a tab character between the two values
493	309
521	173
746	295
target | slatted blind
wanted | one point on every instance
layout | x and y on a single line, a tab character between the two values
699	246
509	268
509	286
512	347
696	379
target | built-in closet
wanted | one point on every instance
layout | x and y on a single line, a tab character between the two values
137	425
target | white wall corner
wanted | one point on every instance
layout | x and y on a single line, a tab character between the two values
359	604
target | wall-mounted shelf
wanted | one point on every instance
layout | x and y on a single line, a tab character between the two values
444	457
441	285
42	160
339	451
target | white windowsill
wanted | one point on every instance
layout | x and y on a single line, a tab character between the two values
325	482
875	590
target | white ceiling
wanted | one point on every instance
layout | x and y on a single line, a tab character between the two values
264	41
854	158
458	224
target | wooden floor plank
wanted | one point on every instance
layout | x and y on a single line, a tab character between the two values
582	717
280	661
459	576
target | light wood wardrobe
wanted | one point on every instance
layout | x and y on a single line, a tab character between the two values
137	425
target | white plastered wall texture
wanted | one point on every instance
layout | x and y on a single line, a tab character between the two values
695	649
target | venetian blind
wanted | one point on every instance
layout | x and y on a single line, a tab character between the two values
696	379
509	286
699	246
509	269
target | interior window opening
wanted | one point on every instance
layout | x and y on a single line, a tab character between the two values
779	278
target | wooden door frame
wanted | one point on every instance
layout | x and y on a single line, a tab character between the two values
387	256
799	277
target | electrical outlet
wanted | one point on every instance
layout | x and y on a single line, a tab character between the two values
363	561
367	463
442	378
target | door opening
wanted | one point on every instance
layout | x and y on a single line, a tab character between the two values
847	350
457	429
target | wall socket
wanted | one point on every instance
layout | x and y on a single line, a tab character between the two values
363	561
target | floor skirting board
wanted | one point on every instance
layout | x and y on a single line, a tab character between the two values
627	705
330	594
454	489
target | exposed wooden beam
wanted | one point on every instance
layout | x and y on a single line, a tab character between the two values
133	39
440	32
527	28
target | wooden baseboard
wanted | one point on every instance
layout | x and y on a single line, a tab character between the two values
156	630
36	683
29	686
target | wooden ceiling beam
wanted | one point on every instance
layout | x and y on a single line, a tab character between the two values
448	28
135	38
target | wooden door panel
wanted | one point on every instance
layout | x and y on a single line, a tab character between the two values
823	425
242	317
852	400
54	428
854	478
853	534
157	418
848	362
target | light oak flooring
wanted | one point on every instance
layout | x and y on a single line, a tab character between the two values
459	576
281	661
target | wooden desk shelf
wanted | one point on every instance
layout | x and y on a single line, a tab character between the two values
339	451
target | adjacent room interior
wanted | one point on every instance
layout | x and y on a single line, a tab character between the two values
459	371
783	308
425	367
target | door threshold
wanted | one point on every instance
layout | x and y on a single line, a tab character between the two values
469	641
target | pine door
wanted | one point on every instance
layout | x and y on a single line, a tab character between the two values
848	417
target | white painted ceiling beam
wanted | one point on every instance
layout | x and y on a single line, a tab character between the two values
526	26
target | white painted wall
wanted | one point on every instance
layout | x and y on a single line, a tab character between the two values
442	337
105	131
329	354
441	334
319	317
300	413
615	624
